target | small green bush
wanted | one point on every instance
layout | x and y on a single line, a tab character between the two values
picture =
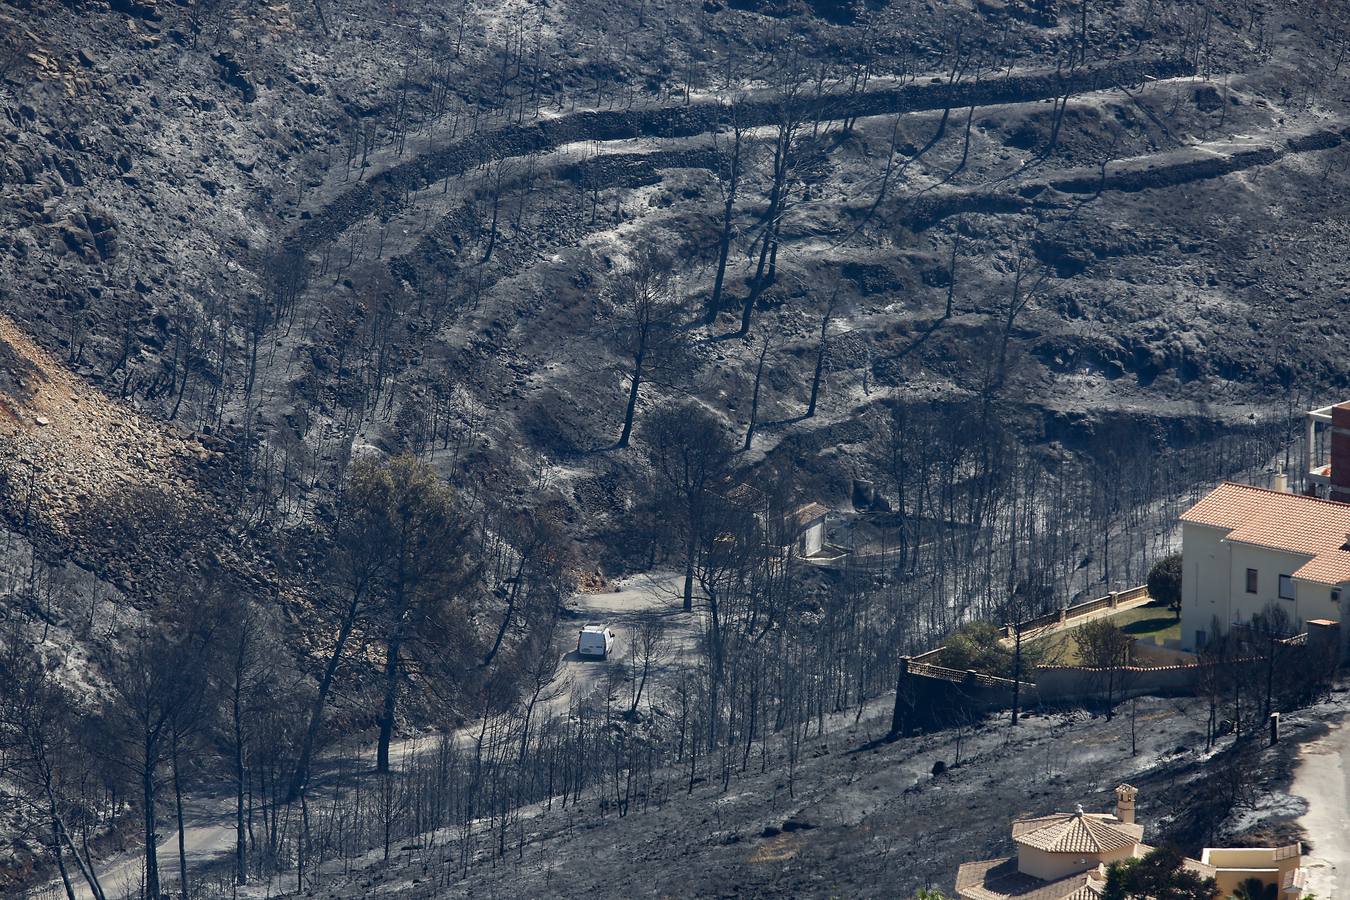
1164	582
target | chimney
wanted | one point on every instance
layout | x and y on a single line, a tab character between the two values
1339	489
1279	482
1125	795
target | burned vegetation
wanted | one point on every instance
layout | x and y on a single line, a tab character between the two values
446	446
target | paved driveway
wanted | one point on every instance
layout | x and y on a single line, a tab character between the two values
1321	780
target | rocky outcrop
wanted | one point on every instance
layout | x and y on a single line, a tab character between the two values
232	72
137	10
89	235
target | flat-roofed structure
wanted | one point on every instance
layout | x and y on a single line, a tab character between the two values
1326	451
1277	866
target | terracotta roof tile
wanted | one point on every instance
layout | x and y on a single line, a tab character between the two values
1332	567
1076	833
808	511
1293	523
999	879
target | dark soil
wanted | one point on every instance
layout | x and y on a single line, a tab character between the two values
866	820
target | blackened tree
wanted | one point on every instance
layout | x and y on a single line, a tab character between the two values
642	312
691	454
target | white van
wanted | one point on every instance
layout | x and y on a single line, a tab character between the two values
595	641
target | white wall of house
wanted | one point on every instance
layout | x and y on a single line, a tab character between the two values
1214	584
1205	570
812	538
1269	566
1314	601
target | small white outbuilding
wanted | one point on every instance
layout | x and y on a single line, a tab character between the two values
808	528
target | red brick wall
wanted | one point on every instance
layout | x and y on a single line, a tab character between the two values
1340	445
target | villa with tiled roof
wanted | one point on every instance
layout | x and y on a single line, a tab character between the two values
1065	856
1059	857
1247	547
1244	547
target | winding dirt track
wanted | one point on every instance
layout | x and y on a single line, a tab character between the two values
1197	162
209	834
384	193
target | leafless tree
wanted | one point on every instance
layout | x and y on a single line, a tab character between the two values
156	680
650	649
754	394
642	312
822	353
359	555
248	676
39	751
537	545
729	179
1265	637
791	113
1104	647
1020	297
691	455
1029	598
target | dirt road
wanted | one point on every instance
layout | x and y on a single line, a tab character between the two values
209	834
1323	780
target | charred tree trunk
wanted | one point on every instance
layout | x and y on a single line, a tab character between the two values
689	570
148	799
391	674
754	397
508	614
301	776
496	212
635	383
822	349
183	889
240	835
724	243
56	848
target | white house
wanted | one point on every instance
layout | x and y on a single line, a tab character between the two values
1244	547
800	530
808	528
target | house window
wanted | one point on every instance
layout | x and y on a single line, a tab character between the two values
1251	581
1287	587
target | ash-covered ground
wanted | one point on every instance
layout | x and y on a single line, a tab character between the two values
860	819
243	244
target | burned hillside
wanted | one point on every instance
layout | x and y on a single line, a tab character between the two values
354	355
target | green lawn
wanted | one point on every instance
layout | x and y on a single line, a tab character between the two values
1151	623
